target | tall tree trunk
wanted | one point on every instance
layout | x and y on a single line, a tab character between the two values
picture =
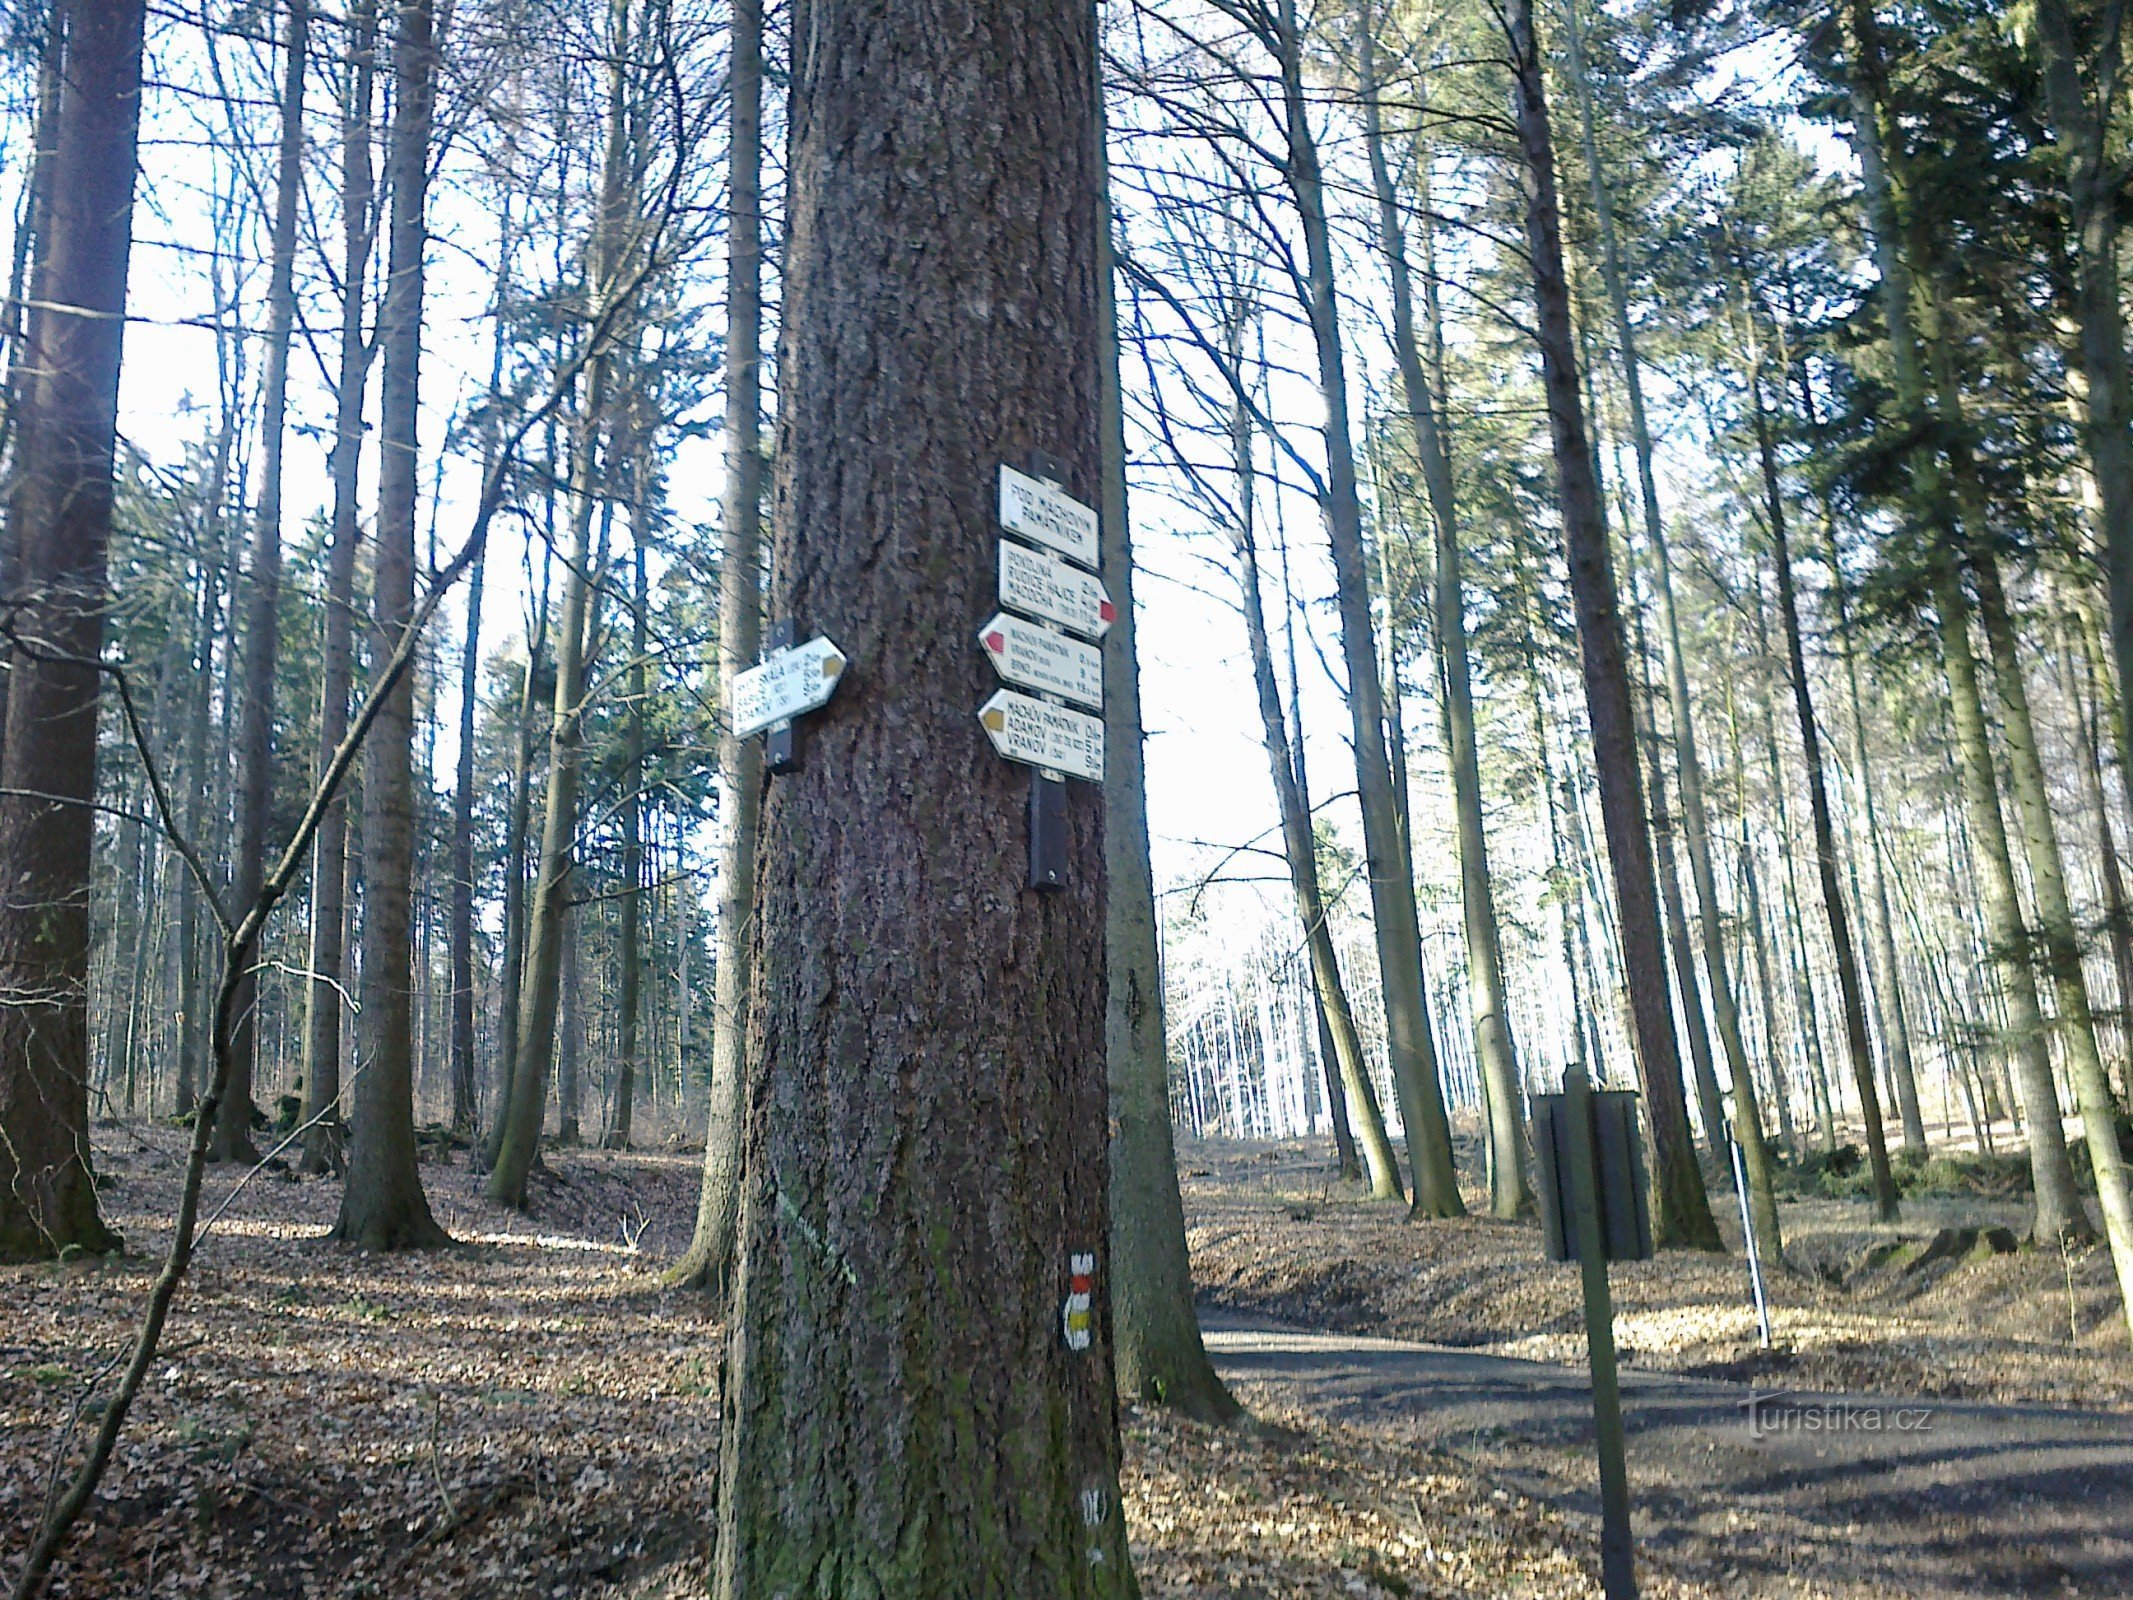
1682	1214
60	520
925	1182
2059	1212
329	852
2118	916
2084	98
1415	1075
232	1139
1840	931
1509	1195
518	828
1284	762
1158	1353
1703	1072
1696	827
382	1203
2055	918
28	289
541	983
623	1114
710	1260
570	1030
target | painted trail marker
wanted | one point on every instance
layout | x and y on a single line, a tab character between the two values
785	685
1051	591
1034	657
1047	514
1038	734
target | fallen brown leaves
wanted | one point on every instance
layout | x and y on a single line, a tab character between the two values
1296	1507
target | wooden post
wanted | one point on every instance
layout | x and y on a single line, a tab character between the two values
1618	1578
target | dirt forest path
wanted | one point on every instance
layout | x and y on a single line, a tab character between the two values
1936	1498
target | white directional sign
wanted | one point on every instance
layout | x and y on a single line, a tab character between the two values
1049	515
784	686
1037	658
1047	736
1051	591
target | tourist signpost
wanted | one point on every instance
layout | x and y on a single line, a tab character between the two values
791	681
1032	645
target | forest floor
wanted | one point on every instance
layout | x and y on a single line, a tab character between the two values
531	1414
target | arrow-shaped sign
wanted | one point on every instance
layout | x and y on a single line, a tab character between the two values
1042	735
1036	658
1049	515
1051	591
785	685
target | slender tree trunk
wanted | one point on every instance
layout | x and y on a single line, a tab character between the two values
232	1139
540	990
2059	1213
1415	1074
570	1030
1298	842
1696	828
1157	1347
382	1203
1682	1214
59	517
925	1182
1509	1195
623	1113
1703	1073
329	851
517	830
2083	98
2055	916
540	986
710	1260
1849	986
2117	915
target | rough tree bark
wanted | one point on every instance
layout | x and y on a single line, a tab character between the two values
59	517
709	1262
1682	1214
926	1143
382	1203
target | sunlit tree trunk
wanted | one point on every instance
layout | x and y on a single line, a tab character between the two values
382	1203
710	1259
1509	1194
1158	1351
909	1407
1415	1074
